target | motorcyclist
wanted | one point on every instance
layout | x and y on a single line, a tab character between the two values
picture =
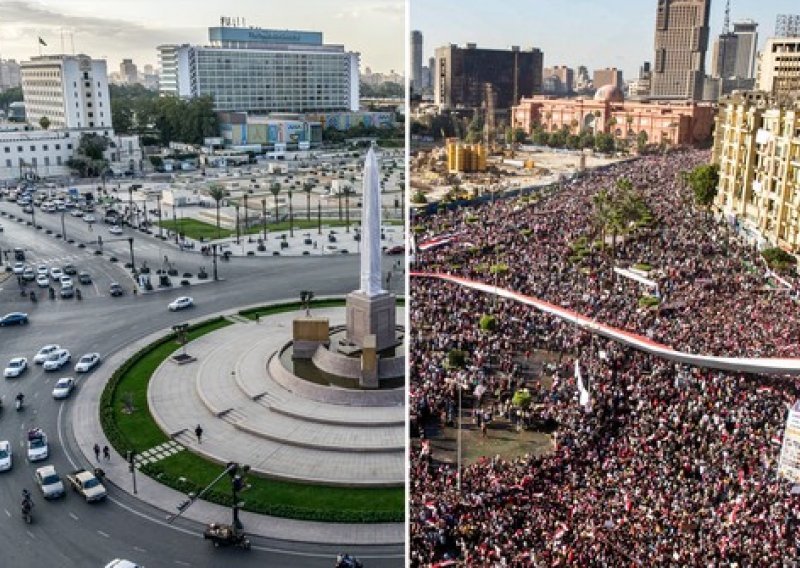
27	503
20	400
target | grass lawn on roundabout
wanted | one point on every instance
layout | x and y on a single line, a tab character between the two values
187	472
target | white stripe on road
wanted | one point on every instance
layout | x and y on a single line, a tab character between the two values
74	516
30	534
8	513
139	549
101	533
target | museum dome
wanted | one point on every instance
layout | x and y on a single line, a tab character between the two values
609	94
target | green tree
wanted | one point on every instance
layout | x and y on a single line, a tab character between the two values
641	140
307	187
44	122
9	96
475	129
217	193
275	189
703	180
540	137
604	142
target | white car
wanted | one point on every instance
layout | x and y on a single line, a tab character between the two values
57	360
43	281
66	281
5	456
16	367
89	218
42	269
63	387
76	213
19	268
38	449
56	273
44	353
87	362
49	482
181	303
115	230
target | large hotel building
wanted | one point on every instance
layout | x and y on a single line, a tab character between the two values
263	71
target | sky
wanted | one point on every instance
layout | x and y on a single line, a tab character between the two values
117	29
595	33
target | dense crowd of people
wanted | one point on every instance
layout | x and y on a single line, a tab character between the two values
665	465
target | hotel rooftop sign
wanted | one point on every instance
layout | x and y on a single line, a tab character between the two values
226	34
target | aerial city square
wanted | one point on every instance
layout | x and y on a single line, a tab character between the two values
202	282
603	280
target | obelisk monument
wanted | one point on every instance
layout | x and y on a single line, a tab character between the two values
371	309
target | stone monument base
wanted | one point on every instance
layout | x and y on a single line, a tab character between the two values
371	315
309	333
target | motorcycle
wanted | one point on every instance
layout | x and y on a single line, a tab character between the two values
18	402
27	510
347	561
78	295
52	292
33	296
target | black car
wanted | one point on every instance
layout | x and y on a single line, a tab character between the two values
14	318
19	254
70	269
116	290
67	292
84	278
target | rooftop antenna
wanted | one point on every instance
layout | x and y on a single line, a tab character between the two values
726	25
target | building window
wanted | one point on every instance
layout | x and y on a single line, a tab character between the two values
8	163
58	146
69	146
91	114
47	160
58	160
91	125
89	104
44	147
33	148
19	148
33	161
8	149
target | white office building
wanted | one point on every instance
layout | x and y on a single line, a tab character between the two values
263	71
70	90
45	153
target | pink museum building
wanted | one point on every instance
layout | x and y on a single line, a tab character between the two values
679	122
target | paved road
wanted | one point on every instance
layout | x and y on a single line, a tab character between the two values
69	532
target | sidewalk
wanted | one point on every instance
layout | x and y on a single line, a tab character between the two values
85	420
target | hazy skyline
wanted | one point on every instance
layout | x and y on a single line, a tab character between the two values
117	29
613	33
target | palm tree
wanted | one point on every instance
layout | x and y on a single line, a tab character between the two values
217	192
291	214
347	191
275	189
307	187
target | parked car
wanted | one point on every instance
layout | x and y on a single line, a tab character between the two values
38	449
84	278
63	387
395	250
45	352
19	268
6	456
49	482
87	362
89	218
181	303
57	360
14	318
115	289
76	213
16	367
115	230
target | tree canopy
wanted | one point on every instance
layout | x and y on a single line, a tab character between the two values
703	180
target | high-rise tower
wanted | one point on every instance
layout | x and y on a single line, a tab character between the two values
416	60
681	41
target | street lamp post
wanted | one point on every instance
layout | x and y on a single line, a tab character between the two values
174	221
63	227
236	207
347	208
291	214
319	217
214	253
246	219
130	205
160	228
264	217
133	261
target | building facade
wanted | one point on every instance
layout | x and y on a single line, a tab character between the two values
724	56
9	74
70	90
416	61
262	71
608	76
45	153
686	123
757	149
779	67
681	41
558	80
461	75
128	73
746	32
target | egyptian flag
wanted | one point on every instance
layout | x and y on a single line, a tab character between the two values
41	42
